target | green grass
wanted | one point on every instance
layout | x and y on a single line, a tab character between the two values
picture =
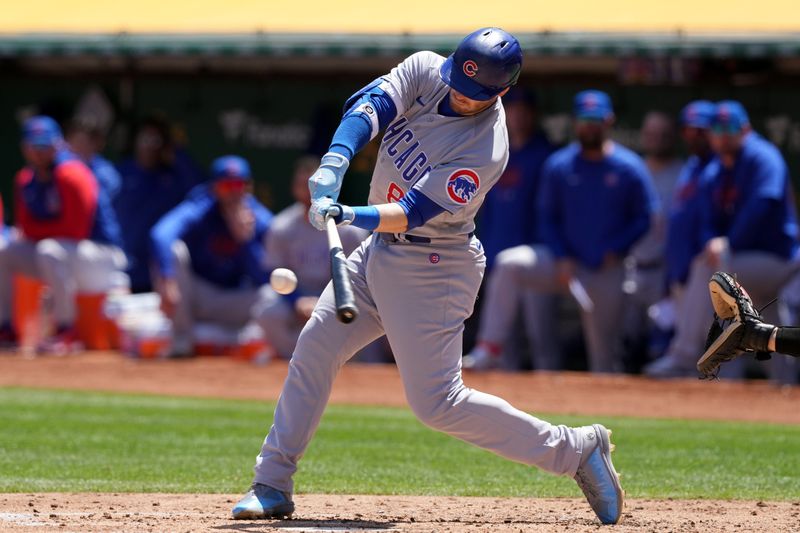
77	441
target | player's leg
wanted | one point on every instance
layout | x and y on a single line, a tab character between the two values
423	319
96	265
55	259
514	269
183	314
325	344
691	326
278	320
539	311
603	326
15	257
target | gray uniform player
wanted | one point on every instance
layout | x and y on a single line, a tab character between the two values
415	279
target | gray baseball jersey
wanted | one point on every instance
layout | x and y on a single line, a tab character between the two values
454	161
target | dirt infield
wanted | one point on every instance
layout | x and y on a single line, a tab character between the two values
323	513
566	393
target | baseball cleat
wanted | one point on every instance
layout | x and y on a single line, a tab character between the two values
263	501
597	478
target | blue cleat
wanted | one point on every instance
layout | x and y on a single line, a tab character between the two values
597	478
263	501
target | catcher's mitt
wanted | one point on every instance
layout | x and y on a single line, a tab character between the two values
729	298
737	327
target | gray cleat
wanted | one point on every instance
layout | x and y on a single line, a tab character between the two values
597	478
263	501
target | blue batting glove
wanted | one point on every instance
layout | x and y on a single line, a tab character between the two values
327	180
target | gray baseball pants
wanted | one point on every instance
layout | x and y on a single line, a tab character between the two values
66	266
421	304
202	301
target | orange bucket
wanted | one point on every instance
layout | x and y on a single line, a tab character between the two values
95	330
27	301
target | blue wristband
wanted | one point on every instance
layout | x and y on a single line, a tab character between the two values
366	217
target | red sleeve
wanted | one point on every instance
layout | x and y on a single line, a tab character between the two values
77	188
21	213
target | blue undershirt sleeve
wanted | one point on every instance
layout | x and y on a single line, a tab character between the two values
419	208
370	111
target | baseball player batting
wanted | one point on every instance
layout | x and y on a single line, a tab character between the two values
415	279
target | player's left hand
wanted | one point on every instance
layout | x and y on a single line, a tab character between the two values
321	209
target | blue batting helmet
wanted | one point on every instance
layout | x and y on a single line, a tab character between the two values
486	62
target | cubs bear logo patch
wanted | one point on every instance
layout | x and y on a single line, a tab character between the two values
463	185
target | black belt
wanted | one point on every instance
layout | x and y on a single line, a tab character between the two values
407	237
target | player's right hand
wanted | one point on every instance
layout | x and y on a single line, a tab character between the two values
565	271
170	295
327	180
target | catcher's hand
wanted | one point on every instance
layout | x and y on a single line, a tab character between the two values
735	328
722	344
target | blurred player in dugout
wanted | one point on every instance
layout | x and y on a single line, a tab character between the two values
293	243
209	254
747	225
507	220
596	200
155	179
68	234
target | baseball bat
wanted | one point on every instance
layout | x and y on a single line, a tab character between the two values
346	310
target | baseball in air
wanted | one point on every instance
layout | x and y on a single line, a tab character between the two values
283	281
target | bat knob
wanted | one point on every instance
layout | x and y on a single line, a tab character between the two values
347	314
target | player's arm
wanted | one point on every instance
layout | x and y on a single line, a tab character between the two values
171	227
643	208
253	252
412	211
366	113
369	111
760	202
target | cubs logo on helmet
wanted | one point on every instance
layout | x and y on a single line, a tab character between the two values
463	185
470	68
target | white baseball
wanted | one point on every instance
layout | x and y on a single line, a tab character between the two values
283	281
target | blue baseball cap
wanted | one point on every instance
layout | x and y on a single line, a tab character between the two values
730	116
41	131
698	114
230	167
592	105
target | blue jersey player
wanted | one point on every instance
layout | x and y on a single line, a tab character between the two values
415	279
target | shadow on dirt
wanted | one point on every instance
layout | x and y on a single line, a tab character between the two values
354	526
